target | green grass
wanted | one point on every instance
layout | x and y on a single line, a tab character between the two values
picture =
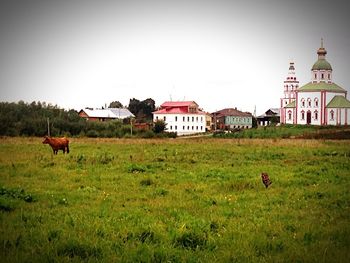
175	200
291	131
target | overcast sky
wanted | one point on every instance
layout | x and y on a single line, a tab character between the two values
218	53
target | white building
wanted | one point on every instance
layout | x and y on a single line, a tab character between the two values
319	102
182	117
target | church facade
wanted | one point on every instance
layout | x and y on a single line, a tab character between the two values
319	102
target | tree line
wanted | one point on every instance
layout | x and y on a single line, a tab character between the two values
33	119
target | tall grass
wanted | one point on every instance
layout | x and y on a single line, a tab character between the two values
176	200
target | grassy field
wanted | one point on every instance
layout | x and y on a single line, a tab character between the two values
175	200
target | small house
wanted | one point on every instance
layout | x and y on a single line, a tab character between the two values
105	114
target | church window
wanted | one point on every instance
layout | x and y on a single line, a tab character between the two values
303	115
316	102
332	115
309	102
322	76
302	102
289	115
316	115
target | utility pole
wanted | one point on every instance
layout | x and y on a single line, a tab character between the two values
48	126
131	126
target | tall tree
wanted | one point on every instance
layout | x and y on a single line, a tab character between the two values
115	104
142	109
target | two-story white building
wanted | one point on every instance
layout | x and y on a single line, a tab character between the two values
182	117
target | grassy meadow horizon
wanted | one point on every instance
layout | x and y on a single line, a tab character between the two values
175	200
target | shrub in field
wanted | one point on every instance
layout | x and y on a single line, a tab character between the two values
83	251
17	194
146	182
136	168
192	240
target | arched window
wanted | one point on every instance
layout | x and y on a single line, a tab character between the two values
316	115
332	115
322	76
302	102
289	115
308	102
303	115
316	102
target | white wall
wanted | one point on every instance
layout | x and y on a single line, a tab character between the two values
341	116
312	96
183	124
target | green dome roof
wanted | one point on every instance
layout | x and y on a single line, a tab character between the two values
322	64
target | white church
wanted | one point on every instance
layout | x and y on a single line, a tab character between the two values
319	102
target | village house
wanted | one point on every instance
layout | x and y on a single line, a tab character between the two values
319	102
105	114
270	117
229	119
182	117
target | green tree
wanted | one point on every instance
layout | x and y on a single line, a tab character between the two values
115	104
159	126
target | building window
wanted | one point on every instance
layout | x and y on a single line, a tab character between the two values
329	76
192	128
188	127
315	76
183	119
157	118
192	119
309	102
164	118
322	76
175	128
302	102
188	118
183	128
289	115
332	115
316	102
175	118
171	127
197	128
303	115
201	119
316	115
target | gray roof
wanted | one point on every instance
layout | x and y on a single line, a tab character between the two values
113	113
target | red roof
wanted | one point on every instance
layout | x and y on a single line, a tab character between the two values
177	110
177	104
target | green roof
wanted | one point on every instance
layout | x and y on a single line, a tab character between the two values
321	86
339	102
290	105
322	64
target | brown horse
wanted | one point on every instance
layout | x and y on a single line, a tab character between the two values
57	144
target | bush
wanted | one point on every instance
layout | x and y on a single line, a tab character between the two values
92	134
